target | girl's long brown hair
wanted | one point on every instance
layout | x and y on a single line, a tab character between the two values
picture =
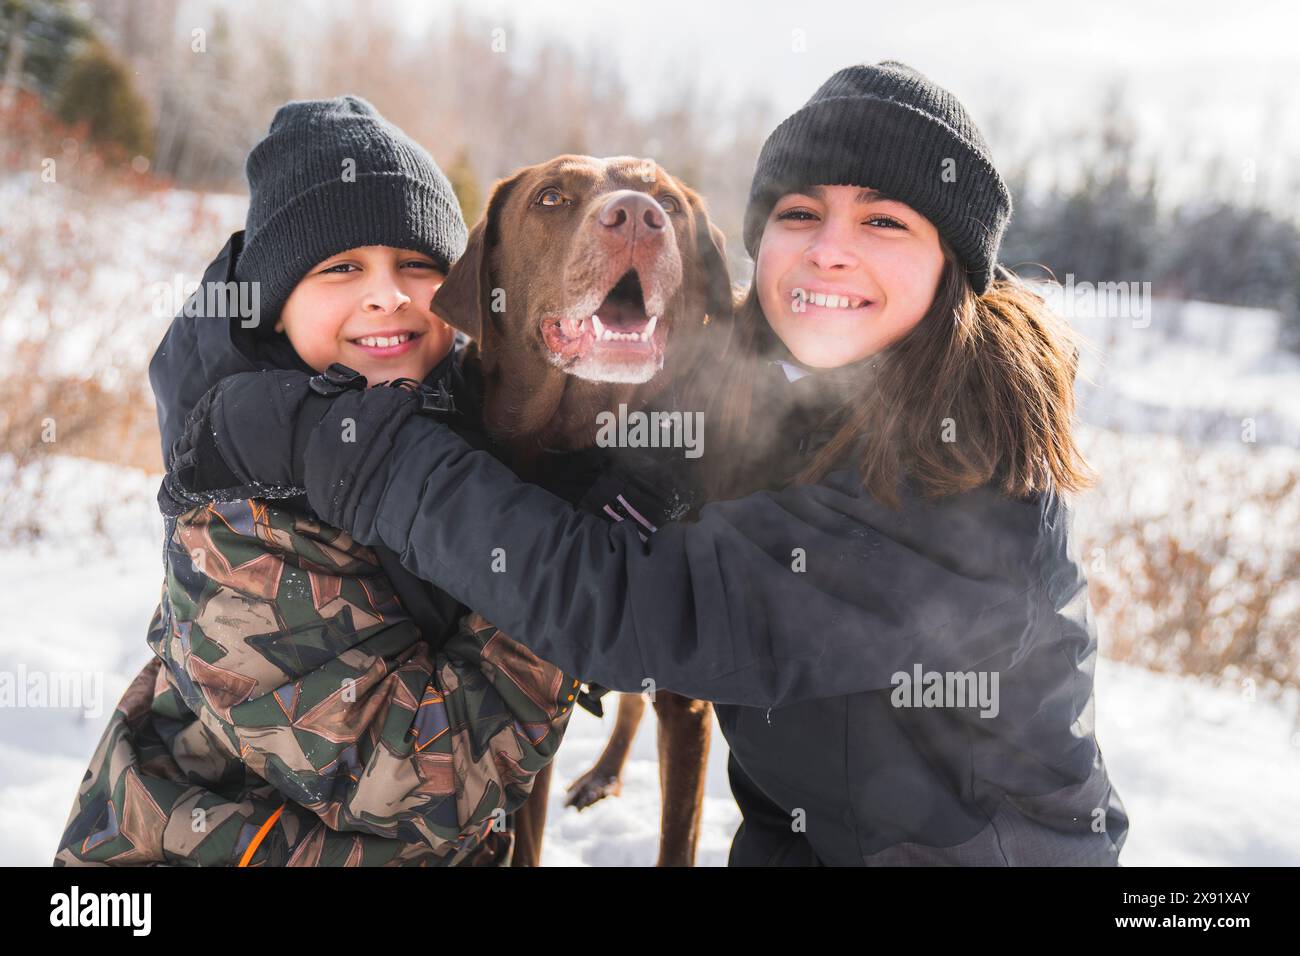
980	391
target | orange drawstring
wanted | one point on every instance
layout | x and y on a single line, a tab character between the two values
257	837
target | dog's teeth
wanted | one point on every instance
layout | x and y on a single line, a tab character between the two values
595	324
819	298
650	328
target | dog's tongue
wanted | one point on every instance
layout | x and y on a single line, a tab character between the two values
621	316
623	309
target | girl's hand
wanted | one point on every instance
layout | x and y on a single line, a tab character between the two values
247	437
238	441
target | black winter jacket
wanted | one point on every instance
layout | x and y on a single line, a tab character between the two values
835	757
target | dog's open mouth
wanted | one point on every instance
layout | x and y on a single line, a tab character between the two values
618	329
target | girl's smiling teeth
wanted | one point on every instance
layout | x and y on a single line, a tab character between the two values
801	298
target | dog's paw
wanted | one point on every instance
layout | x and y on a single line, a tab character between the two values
592	786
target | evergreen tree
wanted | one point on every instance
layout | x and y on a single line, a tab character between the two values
98	91
37	40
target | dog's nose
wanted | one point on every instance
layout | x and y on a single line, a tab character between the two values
631	213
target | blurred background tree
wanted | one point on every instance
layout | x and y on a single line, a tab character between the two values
98	92
465	183
38	40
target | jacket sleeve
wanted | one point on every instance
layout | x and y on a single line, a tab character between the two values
285	638
812	591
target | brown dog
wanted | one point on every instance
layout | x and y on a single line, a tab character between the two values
584	286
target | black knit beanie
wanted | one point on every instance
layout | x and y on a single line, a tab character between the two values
332	175
889	128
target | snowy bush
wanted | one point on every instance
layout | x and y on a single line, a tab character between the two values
1192	557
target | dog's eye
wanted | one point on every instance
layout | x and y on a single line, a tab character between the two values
670	203
550	196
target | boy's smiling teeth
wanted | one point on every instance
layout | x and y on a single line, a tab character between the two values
825	300
382	341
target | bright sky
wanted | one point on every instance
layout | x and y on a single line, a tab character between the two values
1223	75
1204	78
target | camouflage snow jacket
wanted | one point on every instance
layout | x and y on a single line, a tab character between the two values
294	716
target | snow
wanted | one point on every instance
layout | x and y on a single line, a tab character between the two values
1195	370
1208	774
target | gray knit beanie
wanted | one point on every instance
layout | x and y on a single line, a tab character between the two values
888	127
332	175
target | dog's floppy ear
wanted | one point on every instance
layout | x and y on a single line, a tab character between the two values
711	252
464	297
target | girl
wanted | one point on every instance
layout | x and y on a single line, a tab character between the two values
889	612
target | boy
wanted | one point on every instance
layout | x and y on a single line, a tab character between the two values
310	701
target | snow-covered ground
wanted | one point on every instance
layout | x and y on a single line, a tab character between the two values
1209	775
